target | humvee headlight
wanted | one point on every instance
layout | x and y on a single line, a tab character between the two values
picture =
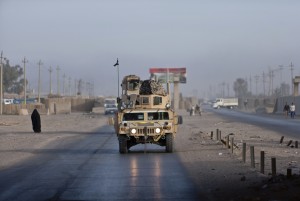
157	130
133	131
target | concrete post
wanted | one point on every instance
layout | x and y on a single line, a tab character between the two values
296	85
176	95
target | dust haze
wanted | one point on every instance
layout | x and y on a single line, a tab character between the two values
217	41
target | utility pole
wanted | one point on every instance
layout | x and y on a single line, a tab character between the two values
117	64
93	92
270	74
272	81
64	84
50	72
75	87
87	87
264	81
228	90
223	89
250	79
256	81
69	86
57	69
80	84
281	84
292	83
1	82
39	84
24	61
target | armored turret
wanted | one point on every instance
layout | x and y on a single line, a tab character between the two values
147	94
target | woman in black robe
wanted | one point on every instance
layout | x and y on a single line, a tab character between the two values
36	121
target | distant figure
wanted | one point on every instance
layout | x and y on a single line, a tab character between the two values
292	110
36	121
192	111
286	109
197	109
246	103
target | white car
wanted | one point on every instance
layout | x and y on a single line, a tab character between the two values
110	109
8	101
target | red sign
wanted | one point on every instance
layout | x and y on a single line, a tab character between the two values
168	74
165	70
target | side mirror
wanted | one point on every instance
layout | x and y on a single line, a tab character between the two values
180	120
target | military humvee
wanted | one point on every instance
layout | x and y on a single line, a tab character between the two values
145	115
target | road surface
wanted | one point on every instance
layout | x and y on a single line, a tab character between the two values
286	126
91	168
87	165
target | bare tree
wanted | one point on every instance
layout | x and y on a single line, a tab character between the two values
240	88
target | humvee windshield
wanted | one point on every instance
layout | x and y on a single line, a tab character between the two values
151	116
133	117
158	115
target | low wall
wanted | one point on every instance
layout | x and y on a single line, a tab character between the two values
269	105
58	105
14	109
257	105
53	106
82	105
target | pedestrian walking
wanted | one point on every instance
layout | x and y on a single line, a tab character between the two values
36	121
286	109
292	110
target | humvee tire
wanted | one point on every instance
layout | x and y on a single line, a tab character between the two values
123	144
169	143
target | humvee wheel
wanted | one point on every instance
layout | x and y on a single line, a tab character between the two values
123	145
169	143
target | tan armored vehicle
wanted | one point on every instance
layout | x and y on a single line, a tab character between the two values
145	115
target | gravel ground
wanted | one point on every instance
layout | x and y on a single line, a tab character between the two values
223	174
219	174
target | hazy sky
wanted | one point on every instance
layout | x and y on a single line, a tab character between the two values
217	41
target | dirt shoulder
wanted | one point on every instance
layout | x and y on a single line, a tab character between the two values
222	174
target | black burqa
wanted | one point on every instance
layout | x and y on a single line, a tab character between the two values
36	121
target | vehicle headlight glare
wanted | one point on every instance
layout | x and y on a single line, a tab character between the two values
133	131
157	130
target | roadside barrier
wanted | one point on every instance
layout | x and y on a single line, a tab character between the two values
229	144
262	162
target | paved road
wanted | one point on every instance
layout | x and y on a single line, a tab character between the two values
287	126
91	168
